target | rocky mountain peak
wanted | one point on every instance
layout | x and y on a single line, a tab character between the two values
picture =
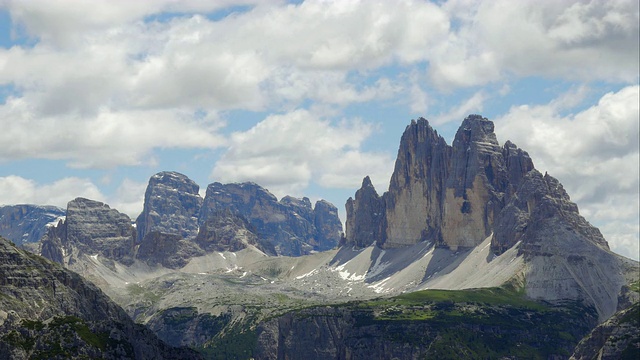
365	217
90	228
289	226
171	205
449	194
50	312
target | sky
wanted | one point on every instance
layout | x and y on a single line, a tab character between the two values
306	98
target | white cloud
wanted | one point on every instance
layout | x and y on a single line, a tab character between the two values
594	153
581	40
473	104
127	199
18	190
108	139
285	153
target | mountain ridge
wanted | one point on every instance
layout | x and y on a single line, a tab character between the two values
471	215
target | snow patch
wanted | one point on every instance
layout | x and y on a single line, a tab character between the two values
312	272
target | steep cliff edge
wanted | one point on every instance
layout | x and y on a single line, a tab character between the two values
485	324
90	228
616	338
47	312
171	206
290	227
448	194
457	196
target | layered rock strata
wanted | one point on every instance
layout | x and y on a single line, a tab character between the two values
171	205
90	228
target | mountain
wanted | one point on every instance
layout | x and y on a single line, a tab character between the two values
176	225
49	312
490	323
290	227
90	228
457	196
201	272
24	224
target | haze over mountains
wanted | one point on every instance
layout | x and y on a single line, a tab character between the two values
473	214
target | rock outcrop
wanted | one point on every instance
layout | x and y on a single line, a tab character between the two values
90	228
49	312
448	194
616	338
225	231
366	223
24	224
413	329
457	196
171	206
290	226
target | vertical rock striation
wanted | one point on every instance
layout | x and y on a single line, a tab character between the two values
448	194
458	195
365	217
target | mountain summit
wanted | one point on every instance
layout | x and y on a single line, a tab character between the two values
457	196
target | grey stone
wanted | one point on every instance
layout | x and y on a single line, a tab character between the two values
24	224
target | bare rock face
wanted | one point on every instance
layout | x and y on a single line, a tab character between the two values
457	196
414	200
616	338
328	225
289	226
567	257
168	250
224	231
90	228
171	206
50	312
24	224
449	194
365	217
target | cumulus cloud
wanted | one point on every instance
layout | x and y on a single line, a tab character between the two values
285	153
128	198
108	139
594	153
582	40
18	190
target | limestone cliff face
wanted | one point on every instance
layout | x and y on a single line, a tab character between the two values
567	258
24	224
449	194
457	196
90	228
224	231
171	206
168	250
328	225
365	217
289	226
417	187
